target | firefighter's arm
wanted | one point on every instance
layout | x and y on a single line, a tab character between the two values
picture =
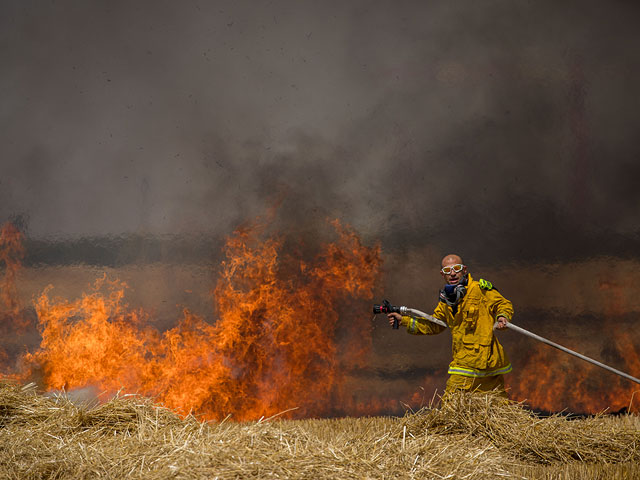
419	325
499	307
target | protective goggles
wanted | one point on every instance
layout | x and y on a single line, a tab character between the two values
452	268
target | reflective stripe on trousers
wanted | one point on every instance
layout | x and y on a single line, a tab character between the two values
469	372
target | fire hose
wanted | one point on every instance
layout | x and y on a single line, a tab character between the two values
386	307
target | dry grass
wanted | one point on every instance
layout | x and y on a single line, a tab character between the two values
471	437
509	426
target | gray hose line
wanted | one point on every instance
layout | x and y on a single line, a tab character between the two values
411	312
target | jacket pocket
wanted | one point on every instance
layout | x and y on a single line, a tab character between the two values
471	314
474	351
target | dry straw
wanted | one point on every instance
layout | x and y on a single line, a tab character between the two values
510	427
468	437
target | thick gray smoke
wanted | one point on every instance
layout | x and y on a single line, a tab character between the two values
505	130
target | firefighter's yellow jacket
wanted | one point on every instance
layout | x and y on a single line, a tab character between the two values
476	350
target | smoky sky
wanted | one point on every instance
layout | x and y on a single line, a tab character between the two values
504	130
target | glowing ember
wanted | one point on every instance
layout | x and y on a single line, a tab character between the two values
275	346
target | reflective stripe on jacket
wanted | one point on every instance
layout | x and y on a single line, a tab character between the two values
476	350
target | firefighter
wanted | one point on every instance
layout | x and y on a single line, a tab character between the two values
470	307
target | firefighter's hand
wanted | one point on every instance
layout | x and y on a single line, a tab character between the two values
394	316
502	323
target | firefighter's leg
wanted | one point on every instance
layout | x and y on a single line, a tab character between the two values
494	384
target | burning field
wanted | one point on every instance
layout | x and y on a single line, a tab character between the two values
285	383
263	355
201	201
290	333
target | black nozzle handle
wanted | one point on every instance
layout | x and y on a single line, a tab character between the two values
386	307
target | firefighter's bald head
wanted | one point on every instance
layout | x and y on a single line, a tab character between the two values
451	263
452	259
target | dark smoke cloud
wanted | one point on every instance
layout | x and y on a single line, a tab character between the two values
504	130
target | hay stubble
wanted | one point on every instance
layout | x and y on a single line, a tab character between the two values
470	437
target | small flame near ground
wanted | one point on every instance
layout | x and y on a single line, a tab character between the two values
279	341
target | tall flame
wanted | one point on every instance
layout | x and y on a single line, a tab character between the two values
276	345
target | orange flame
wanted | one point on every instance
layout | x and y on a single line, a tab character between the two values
94	340
552	382
279	342
558	382
11	254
